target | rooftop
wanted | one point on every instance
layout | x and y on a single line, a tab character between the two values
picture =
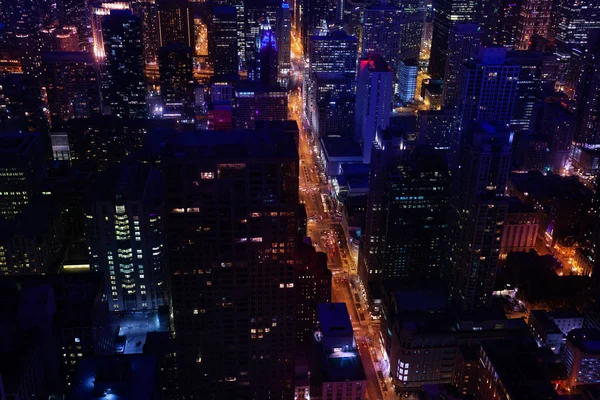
68	57
123	377
519	370
334	320
586	340
338	147
342	367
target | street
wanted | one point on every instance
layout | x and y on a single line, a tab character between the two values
326	232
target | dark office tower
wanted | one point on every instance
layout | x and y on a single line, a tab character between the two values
125	236
381	32
406	215
533	81
411	35
334	98
508	19
463	45
176	69
575	19
126	93
487	18
313	12
223	40
231	227
72	85
487	87
284	32
256	102
313	287
268	59
447	14
147	11
477	212
175	23
534	19
22	170
260	16
588	94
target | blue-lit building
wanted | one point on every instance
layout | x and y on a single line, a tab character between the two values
269	58
407	79
125	237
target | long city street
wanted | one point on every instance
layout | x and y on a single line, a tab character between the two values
326	233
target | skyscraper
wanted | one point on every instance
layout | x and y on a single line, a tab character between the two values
463	45
99	10
126	94
406	213
22	169
177	78
374	89
487	87
381	32
334	99
588	94
407	79
223	41
447	14
335	52
72	85
269	58
534	19
125	236
477	212
575	19
147	11
283	35
508	19
533	81
312	13
175	23
231	226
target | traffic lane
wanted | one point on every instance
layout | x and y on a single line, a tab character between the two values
373	388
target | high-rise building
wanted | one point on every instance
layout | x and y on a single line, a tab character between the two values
313	287
284	37
534	19
335	52
67	39
334	98
312	13
126	94
75	13
508	20
477	211
176	79
175	23
407	79
269	58
406	213
147	11
256	102
533	81
98	10
381	31
447	14
72	85
22	169
260	16
487	87
412	31
588	94
125	236
223	41
575	20
463	45
374	90
231	227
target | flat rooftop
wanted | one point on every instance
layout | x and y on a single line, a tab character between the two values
341	147
343	366
334	320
